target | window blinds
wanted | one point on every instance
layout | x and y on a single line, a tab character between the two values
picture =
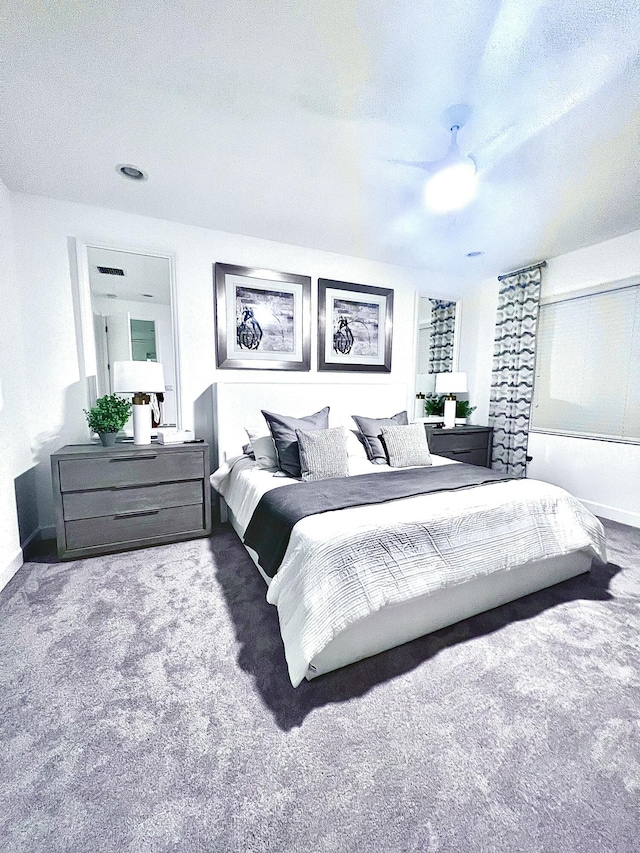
424	344
587	379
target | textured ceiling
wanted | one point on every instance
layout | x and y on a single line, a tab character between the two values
278	120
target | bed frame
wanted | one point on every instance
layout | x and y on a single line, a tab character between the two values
238	404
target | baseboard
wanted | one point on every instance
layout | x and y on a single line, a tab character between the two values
9	571
40	533
613	513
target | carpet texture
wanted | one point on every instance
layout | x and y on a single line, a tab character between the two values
145	706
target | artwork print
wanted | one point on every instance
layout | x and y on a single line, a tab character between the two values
355	323
263	319
356	328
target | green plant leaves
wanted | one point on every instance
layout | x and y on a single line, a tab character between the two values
109	414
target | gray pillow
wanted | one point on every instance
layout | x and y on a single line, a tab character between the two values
323	453
406	445
371	430
283	429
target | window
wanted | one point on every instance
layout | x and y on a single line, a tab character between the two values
587	378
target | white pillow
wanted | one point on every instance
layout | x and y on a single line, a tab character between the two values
355	448
263	447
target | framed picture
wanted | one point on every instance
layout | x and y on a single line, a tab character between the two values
355	325
263	319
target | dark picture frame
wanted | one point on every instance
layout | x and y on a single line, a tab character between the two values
263	319
355	327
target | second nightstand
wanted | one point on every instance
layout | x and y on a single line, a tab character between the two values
471	444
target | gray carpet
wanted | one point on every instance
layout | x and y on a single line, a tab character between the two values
145	706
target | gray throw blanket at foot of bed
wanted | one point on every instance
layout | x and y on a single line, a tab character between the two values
273	519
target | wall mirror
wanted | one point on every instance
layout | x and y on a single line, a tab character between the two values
128	313
438	343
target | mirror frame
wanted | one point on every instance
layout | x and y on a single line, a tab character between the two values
84	313
416	332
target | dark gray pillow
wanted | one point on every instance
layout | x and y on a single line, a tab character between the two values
283	429
323	453
371	430
406	445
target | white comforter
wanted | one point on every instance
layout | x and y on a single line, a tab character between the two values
342	566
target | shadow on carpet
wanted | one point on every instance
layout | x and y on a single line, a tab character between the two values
262	654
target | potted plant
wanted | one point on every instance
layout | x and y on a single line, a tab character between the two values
107	417
434	408
463	411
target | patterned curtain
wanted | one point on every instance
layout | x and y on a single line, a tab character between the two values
443	324
513	370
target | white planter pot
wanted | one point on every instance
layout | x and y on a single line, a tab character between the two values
461	421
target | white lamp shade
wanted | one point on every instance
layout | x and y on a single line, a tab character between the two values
425	383
451	383
138	377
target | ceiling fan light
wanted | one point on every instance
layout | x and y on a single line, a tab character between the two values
452	187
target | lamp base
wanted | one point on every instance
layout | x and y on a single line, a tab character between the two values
141	423
449	412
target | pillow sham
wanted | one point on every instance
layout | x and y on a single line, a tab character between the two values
323	453
371	430
406	445
283	429
263	447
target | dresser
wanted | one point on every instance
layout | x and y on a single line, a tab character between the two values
110	499
470	444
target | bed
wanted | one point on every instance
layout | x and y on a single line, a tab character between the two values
358	580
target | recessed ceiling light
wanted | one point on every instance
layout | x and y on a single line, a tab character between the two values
131	172
474	254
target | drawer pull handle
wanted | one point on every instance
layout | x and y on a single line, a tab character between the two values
133	458
137	513
458	452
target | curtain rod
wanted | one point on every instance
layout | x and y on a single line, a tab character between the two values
526	269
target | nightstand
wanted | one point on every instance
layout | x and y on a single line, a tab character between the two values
118	498
470	444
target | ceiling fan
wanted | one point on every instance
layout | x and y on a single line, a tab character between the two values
452	180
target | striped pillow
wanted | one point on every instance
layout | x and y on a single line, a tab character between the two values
406	445
323	453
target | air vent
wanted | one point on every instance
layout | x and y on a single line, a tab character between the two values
110	270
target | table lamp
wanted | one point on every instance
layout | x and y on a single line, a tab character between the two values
139	378
450	384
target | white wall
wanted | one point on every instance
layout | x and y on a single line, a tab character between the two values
42	227
478	320
604	475
16	460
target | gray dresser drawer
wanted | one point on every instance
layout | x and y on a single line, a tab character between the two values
128	529
471	457
130	469
451	440
77	505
